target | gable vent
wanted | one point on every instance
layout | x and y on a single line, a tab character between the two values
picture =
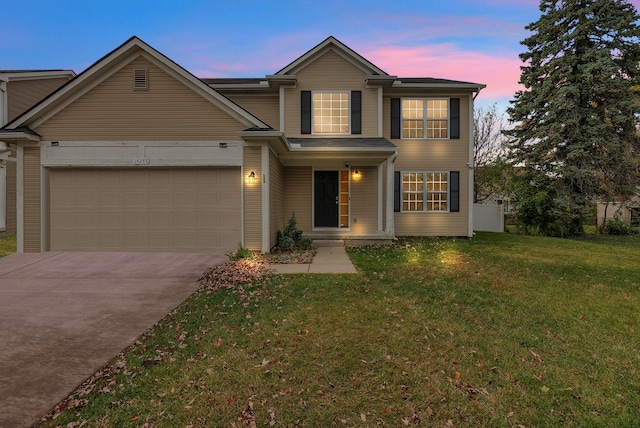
141	79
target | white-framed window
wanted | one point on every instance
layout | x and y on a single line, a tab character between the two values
425	118
425	191
330	112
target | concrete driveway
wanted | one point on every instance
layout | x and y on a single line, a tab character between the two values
64	315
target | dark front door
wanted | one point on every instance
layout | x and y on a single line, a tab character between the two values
326	198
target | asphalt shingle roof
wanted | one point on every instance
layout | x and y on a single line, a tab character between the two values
339	142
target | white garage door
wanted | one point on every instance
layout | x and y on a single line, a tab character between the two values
145	209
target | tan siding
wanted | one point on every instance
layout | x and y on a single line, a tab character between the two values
114	111
328	73
298	185
434	155
11	194
276	198
364	201
253	199
265	108
24	94
32	200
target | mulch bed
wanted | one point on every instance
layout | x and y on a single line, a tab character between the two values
230	274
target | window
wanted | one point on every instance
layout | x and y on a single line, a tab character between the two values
425	191
331	112
425	118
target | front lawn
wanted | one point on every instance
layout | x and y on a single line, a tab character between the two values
500	330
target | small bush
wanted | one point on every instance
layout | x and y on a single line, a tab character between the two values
241	253
618	227
291	237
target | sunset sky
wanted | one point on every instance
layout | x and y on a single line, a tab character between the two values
469	40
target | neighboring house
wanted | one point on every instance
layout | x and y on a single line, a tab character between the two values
626	211
19	90
137	154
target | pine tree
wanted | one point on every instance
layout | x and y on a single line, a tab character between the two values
578	114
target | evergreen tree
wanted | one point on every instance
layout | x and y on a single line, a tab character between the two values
577	117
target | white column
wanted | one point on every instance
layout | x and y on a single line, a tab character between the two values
20	199
381	190
390	226
266	212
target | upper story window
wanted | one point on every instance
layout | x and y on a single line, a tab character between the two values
425	118
331	112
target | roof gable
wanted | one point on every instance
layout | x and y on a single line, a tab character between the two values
111	64
332	44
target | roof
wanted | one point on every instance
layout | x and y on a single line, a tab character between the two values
35	74
343	143
430	82
233	80
122	54
331	43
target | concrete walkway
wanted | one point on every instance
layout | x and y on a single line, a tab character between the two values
330	257
65	315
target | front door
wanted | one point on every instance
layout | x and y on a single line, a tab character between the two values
326	201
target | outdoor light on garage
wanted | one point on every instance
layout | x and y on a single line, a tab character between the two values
356	175
251	178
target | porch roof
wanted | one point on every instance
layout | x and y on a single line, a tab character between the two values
359	143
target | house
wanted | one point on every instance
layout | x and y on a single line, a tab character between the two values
627	211
137	154
19	90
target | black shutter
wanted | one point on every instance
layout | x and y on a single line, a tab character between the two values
454	191
454	106
305	112
395	118
397	183
356	112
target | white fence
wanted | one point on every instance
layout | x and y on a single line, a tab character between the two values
488	218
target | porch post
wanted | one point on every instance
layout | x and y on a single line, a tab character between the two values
266	208
389	227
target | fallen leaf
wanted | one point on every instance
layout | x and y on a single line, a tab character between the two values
363	417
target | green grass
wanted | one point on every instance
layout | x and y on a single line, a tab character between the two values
7	245
500	330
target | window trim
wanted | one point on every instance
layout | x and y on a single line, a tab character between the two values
349	112
425	192
425	119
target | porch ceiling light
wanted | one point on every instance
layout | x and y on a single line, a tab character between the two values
251	178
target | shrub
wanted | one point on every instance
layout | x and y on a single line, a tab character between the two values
291	237
618	227
241	253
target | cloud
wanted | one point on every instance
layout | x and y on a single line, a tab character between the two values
499	72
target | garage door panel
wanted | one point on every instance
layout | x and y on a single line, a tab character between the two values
111	240
160	199
108	177
145	209
160	240
84	221
111	221
84	199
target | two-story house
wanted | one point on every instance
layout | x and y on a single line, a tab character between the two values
137	154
